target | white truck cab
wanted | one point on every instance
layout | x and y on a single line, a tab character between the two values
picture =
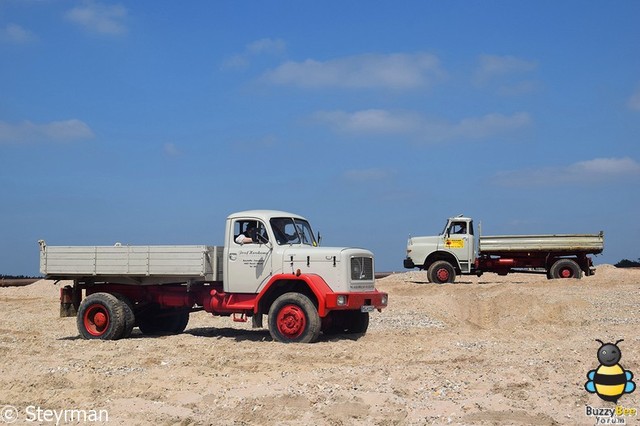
455	244
283	243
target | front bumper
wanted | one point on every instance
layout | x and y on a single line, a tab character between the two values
355	301
408	263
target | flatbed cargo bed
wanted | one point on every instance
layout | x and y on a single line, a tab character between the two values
133	264
563	243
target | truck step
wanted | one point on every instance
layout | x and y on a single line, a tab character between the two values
241	318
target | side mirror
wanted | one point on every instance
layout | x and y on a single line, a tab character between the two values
319	238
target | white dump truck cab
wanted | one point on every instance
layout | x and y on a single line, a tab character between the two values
261	244
455	246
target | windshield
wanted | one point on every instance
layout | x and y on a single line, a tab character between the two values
292	231
444	231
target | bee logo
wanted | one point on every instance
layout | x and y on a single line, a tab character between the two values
609	380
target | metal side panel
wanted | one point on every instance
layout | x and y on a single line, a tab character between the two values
588	243
182	261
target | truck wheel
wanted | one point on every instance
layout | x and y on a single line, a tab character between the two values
345	322
293	318
565	268
441	272
101	316
163	321
358	322
129	316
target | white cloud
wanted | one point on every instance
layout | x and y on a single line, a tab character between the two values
267	46
492	66
371	121
55	131
264	46
517	88
366	175
99	18
171	150
394	71
14	33
590	171
486	126
381	122
634	101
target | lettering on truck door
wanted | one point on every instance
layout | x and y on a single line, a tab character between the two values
459	240
249	259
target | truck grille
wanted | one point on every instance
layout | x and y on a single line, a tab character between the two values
361	268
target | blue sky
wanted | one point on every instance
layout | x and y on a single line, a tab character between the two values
149	122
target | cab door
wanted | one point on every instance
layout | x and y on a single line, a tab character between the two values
458	239
248	264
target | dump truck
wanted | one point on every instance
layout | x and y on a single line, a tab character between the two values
457	251
271	264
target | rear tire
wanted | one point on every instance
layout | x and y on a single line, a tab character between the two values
160	321
101	316
565	268
129	316
293	318
441	272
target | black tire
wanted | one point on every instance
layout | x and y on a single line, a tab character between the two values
129	316
358	322
294	318
441	272
101	316
346	322
565	268
158	321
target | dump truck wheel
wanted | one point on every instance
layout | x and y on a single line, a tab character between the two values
129	316
345	322
441	272
565	268
294	318
101	316
358	322
163	321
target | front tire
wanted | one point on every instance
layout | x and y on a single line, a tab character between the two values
441	272
101	316
293	318
346	322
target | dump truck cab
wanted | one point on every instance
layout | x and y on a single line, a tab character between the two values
456	244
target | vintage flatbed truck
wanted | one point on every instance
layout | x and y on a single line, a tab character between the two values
457	251
271	264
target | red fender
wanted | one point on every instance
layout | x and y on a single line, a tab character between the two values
315	282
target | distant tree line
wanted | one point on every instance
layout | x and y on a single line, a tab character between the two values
626	263
17	277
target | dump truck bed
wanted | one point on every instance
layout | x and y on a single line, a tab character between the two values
161	263
582	243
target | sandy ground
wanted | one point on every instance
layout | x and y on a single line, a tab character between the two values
488	350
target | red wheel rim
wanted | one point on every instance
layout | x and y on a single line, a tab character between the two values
96	320
566	273
291	321
442	274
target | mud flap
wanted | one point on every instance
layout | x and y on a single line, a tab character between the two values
67	307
